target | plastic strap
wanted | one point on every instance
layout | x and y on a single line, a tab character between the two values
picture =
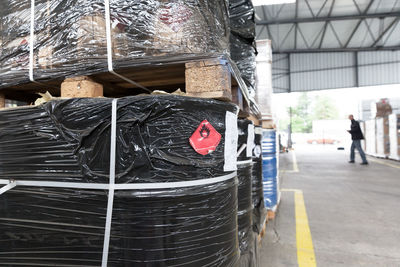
7	187
111	189
109	48
245	162
138	186
241	150
31	41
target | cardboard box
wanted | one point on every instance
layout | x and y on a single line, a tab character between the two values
394	136
92	37
177	28
370	137
382	108
382	137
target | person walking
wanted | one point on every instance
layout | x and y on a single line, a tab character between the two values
356	136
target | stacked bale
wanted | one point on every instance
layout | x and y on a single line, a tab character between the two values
259	214
70	37
160	140
242	40
245	205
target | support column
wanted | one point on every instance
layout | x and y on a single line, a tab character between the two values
264	82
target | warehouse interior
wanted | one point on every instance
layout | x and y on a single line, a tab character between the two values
327	45
199	133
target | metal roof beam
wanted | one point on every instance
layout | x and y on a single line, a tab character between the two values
326	24
358	24
322	19
385	31
349	49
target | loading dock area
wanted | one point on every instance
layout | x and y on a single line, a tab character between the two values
353	210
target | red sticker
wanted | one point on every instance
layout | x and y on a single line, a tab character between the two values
205	139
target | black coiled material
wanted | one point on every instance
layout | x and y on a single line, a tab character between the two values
242	39
245	206
69	141
257	185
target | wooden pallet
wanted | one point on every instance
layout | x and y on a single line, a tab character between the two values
262	232
268	124
271	215
214	77
2	101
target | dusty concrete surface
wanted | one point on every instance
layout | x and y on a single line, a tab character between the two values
353	210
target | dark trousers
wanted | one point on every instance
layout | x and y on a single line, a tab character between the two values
357	144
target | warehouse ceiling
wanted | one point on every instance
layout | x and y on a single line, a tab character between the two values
357	35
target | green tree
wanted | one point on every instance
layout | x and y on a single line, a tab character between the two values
324	109
301	115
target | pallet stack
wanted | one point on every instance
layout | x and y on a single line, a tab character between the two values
86	52
382	137
394	136
127	49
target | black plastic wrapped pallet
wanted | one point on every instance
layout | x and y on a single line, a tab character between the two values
69	141
245	205
259	211
243	53
70	36
242	39
241	18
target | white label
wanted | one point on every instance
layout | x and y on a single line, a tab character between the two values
231	141
257	151
250	140
258	130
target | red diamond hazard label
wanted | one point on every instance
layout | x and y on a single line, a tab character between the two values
205	139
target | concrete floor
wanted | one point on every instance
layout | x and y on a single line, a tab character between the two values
353	210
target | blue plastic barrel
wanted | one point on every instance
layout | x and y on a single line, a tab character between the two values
270	168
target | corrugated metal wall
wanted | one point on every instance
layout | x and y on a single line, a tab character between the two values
280	73
316	71
381	67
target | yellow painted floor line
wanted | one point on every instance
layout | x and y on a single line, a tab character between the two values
305	248
384	163
294	162
294	159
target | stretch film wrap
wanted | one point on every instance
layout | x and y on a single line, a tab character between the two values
68	142
43	40
242	40
259	212
245	205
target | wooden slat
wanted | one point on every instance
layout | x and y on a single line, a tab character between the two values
2	100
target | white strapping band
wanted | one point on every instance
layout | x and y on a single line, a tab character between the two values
138	186
245	162
31	41
241	150
111	189
7	187
110	51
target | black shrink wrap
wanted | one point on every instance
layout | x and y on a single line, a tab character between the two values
242	40
245	205
241	18
69	141
259	212
243	53
70	36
